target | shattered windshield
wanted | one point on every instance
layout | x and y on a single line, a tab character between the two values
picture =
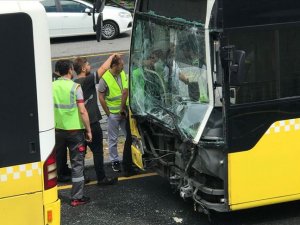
168	76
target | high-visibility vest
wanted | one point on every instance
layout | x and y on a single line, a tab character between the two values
203	87
66	113
137	89
114	99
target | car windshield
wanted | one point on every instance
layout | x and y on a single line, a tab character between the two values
168	77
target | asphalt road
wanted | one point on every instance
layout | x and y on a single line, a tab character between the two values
87	45
147	200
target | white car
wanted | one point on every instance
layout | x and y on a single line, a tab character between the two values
74	18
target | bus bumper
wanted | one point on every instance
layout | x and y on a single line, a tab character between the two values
52	213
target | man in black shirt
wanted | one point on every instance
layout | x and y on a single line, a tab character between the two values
88	80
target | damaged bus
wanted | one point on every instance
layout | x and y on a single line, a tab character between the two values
215	99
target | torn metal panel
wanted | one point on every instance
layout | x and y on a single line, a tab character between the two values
211	162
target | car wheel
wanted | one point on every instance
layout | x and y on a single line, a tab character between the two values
109	30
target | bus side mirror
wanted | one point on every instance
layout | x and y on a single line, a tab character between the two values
237	68
98	8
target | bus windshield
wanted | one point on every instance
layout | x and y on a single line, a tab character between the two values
168	76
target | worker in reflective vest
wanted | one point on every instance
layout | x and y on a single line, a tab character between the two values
72	126
63	171
113	96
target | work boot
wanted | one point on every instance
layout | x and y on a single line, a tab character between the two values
129	171
116	166
78	202
107	181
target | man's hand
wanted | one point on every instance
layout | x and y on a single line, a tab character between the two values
88	136
103	103
124	113
106	65
184	78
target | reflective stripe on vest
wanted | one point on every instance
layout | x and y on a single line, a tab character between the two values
66	112
114	99
72	100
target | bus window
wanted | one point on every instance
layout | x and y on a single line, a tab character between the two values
289	62
19	114
272	71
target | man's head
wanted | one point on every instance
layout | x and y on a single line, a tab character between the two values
57	65
153	58
64	67
117	64
82	66
55	73
156	55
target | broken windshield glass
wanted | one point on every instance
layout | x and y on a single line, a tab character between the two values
168	76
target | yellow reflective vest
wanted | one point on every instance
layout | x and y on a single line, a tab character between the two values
114	98
66	113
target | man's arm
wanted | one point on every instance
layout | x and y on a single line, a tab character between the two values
123	101
103	103
184	78
86	121
124	97
105	66
83	113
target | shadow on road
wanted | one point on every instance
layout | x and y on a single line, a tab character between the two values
84	38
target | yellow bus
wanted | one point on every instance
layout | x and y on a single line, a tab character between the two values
28	182
215	99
